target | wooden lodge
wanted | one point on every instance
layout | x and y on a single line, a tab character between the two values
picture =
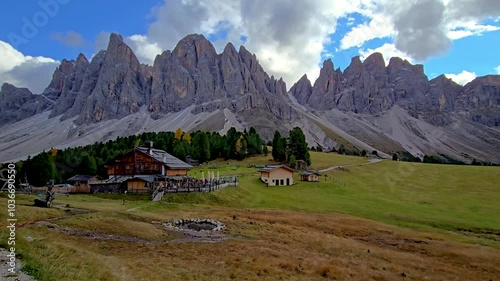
143	168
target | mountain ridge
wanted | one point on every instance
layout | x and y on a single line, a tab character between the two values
232	89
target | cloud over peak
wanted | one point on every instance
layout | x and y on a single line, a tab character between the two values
70	38
462	78
33	73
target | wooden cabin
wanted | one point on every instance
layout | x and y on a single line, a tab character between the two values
309	176
147	161
141	184
81	183
277	175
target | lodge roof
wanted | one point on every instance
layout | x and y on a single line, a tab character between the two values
82	178
307	173
274	167
165	158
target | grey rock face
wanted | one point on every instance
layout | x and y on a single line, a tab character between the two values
194	74
114	84
187	75
65	85
19	103
372	88
481	100
119	90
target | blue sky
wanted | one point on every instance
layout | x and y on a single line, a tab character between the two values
458	38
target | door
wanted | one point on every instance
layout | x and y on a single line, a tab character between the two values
288	181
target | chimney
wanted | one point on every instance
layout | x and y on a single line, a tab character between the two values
150	148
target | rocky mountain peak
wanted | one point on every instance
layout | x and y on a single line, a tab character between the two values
7	89
375	63
120	53
119	87
328	65
492	80
193	49
81	59
115	39
355	68
302	90
398	64
229	49
483	94
20	103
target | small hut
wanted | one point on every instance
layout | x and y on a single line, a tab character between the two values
309	176
82	183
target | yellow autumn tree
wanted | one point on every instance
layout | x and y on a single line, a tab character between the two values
187	137
137	142
178	134
241	147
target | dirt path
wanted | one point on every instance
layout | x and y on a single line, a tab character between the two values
371	161
188	236
4	269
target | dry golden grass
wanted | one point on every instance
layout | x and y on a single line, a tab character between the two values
264	245
285	233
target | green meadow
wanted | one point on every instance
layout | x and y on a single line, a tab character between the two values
452	211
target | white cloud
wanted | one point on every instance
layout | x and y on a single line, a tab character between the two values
10	57
423	28
101	41
458	30
380	26
388	51
288	39
144	49
497	69
70	38
462	78
33	73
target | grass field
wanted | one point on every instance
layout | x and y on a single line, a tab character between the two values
382	221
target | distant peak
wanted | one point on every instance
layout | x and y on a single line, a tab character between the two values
193	38
229	48
356	60
115	39
6	86
303	80
398	62
9	88
242	49
81	58
375	58
328	64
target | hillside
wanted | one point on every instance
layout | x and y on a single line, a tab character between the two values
387	220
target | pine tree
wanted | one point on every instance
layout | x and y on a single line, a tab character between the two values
281	150
291	161
179	150
276	139
297	145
